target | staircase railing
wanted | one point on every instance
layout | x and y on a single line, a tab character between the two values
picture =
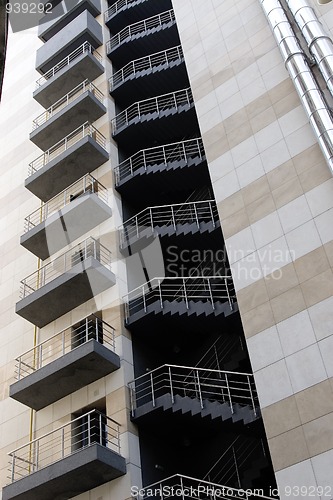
188	488
66	100
168	215
177	151
218	352
87	184
84	48
70	140
65	262
140	27
91	428
210	289
116	7
146	63
196	383
228	468
152	105
92	328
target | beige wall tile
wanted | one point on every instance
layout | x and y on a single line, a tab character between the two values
311	264
288	448
287	192
252	296
318	434
286	104
288	303
314	176
329	252
281	417
255	190
318	288
230	205
235	223
260	208
258	319
315	401
282	281
263	119
282	174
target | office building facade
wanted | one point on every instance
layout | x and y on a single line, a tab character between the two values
166	247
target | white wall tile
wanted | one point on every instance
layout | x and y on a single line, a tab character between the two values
294	214
273	383
322	466
320	198
296	333
265	348
326	349
321	316
267	230
240	245
303	240
306	368
324	224
300	474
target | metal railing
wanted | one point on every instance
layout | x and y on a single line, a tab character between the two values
177	151
87	184
231	465
219	351
91	428
92	328
85	47
83	131
196	383
140	27
152	218
152	105
146	63
65	262
116	7
64	101
182	487
210	289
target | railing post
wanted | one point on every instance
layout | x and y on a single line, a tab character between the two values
196	215
173	218
251	394
89	429
19	369
211	293
63	341
36	454
151	219
211	213
227	290
229	394
62	442
96	329
87	330
100	429
160	293
13	468
144	298
185	294
199	389
171	386
40	356
152	389
132	395
137	226
236	467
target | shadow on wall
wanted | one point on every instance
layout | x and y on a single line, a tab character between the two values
3	39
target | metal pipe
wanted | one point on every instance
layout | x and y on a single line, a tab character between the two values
312	98
319	42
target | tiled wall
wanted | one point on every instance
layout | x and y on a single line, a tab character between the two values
275	198
17	111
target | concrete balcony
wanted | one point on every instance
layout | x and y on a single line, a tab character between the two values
70	460
68	216
84	62
83	103
62	14
84	28
77	154
63	284
124	12
65	363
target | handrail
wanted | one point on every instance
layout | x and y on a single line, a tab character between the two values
151	105
79	133
86	430
168	215
87	184
116	7
140	27
65	262
85	47
186	487
143	63
176	151
210	289
63	342
64	101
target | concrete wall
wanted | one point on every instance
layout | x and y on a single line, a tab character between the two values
275	200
